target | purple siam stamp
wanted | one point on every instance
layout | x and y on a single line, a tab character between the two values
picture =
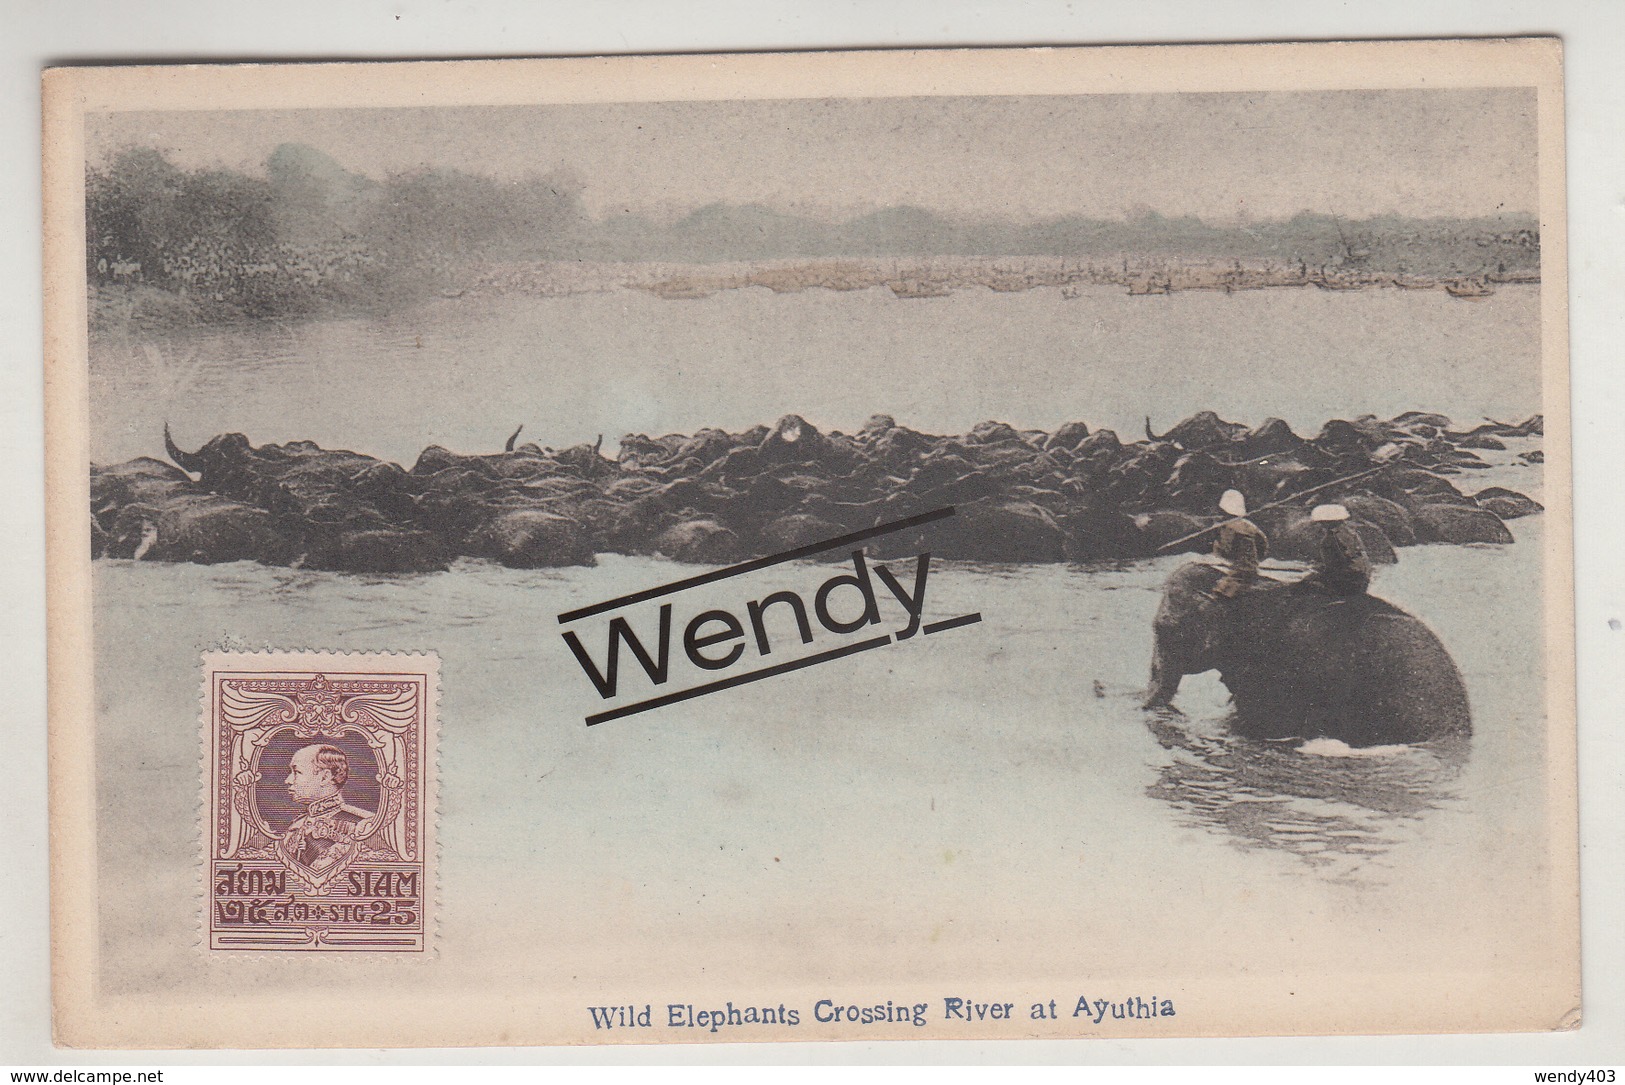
321	800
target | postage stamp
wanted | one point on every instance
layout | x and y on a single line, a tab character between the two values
320	800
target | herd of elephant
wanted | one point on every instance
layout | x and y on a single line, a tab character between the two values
1073	495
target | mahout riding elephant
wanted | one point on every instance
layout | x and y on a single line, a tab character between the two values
1303	664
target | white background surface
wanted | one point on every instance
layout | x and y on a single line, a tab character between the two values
34	34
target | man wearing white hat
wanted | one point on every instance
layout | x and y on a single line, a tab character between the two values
1240	545
1342	567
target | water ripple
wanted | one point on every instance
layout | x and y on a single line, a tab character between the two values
1333	813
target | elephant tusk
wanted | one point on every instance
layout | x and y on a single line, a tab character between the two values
187	461
149	536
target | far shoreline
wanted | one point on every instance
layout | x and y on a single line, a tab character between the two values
122	307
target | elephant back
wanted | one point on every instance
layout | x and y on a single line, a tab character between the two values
1363	671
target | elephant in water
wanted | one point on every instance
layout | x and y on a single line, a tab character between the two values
1301	664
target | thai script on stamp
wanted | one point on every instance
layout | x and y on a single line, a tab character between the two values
320	800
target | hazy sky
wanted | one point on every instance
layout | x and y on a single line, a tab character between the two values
1218	156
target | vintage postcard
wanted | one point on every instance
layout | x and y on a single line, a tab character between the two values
913	545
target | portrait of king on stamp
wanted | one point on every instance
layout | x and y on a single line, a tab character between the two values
331	830
319	797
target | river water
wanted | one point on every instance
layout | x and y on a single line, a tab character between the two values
987	801
464	372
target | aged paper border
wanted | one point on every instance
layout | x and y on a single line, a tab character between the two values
72	92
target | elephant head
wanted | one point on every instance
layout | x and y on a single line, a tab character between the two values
203	529
221	456
1301	664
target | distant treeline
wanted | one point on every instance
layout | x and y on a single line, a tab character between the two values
310	236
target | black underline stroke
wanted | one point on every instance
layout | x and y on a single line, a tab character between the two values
756	563
739	680
952	623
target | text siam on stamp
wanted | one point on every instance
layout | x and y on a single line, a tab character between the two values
321	800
